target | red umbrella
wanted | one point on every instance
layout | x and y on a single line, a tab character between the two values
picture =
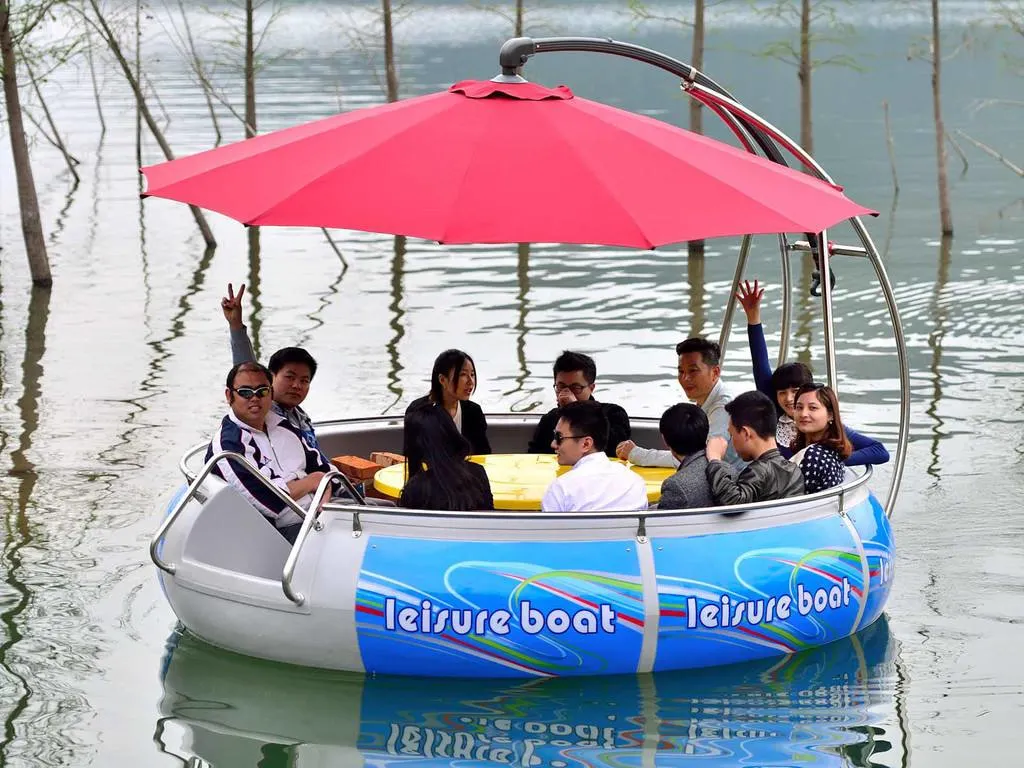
491	162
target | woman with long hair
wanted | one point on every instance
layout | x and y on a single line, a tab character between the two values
452	383
438	476
782	385
821	446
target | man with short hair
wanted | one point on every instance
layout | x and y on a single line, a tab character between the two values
271	443
684	428
575	381
594	483
292	368
752	423
700	375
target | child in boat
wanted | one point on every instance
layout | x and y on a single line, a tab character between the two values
452	382
752	423
684	428
821	445
437	473
782	385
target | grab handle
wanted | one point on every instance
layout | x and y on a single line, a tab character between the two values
242	461
311	521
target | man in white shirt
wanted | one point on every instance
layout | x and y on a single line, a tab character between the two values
594	483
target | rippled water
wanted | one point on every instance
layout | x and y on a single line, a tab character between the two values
110	376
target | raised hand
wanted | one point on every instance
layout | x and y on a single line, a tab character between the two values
232	307
750	300
716	448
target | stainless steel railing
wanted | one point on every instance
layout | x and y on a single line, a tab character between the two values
309	520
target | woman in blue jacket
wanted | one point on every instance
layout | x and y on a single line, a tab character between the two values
783	384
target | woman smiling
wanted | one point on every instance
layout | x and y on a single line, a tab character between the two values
821	445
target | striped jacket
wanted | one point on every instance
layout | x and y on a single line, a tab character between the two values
281	453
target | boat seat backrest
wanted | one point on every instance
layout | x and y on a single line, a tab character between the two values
229	533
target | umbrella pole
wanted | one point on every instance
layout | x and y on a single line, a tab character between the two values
787	293
730	307
828	329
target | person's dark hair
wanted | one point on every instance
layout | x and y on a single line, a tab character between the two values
569	362
448	363
709	351
587	418
835	436
432	438
249	367
685	428
288	355
790	375
754	410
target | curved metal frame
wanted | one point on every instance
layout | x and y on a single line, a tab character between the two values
517	51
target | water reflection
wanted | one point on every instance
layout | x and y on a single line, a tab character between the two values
255	315
17	531
935	339
833	706
526	402
695	279
397	313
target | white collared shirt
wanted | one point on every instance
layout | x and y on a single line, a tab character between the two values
596	484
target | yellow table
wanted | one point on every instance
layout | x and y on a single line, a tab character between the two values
518	480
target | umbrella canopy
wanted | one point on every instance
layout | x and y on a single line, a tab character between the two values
503	162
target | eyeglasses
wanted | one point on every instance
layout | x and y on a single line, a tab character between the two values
559	437
577	389
248	393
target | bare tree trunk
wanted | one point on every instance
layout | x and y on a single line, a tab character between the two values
250	75
95	85
140	100
695	248
197	65
56	140
518	32
138	77
391	74
945	214
804	76
31	225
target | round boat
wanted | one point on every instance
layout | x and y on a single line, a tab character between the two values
493	594
525	593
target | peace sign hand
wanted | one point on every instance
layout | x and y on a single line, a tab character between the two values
750	300
232	307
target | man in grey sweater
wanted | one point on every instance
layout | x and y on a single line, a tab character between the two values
684	428
700	378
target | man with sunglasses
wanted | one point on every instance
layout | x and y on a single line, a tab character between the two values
594	483
575	381
280	452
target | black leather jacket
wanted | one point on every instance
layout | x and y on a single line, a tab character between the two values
767	477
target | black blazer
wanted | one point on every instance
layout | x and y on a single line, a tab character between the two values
474	423
618	429
422	492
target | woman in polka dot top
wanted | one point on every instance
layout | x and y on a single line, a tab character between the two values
821	445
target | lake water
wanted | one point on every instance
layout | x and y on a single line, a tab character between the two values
108	378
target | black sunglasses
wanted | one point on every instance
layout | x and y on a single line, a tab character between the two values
559	437
248	393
